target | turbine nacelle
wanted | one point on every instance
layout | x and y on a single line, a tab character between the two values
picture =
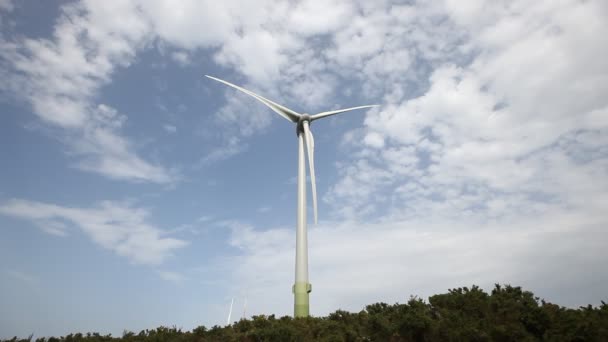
300	124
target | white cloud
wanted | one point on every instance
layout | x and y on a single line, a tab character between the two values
264	209
102	151
256	54
314	17
495	127
171	276
118	227
232	147
170	128
53	227
60	77
204	218
182	58
190	24
374	139
6	5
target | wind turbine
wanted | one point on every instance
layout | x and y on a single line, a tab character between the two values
245	309
301	287
230	312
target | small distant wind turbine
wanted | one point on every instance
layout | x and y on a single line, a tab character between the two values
245	309
230	312
302	287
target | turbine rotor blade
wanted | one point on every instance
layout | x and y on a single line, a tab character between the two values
334	112
310	147
277	108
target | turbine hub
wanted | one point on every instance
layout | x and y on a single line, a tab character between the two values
299	126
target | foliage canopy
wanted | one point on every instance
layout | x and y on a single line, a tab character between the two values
464	314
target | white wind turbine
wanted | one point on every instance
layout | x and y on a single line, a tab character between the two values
230	312
302	287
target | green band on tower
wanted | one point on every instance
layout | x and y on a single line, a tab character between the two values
300	292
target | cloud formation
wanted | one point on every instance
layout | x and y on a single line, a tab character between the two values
353	264
118	227
507	125
60	78
486	162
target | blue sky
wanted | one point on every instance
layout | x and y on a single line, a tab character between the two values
136	193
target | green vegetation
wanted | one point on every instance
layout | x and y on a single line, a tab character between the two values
465	314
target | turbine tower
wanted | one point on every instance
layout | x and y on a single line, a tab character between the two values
301	287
